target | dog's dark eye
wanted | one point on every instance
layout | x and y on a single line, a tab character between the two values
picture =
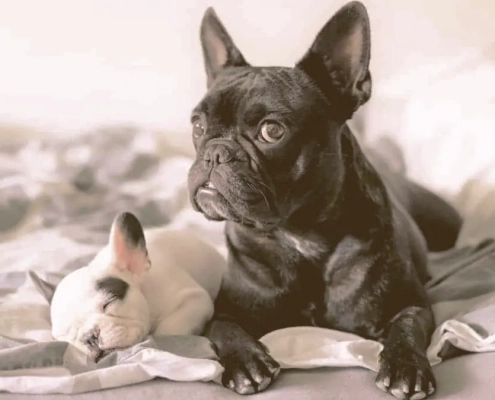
198	128
271	132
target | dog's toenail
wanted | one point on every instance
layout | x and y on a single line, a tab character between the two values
398	393
381	386
264	384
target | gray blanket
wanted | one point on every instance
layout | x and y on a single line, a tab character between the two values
57	201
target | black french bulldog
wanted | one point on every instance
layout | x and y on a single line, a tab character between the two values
316	235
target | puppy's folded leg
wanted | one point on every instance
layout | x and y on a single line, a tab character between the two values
189	318
405	371
248	366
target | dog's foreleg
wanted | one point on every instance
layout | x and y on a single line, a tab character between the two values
248	366
405	370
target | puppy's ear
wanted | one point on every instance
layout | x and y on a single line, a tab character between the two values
219	50
338	60
128	245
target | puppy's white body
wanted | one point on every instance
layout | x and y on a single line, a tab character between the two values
183	282
127	292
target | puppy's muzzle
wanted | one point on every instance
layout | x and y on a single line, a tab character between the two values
92	341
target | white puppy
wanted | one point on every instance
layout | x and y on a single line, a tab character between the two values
161	282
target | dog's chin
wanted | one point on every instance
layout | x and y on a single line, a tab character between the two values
216	207
213	205
228	193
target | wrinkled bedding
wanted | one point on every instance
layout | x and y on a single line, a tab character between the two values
58	198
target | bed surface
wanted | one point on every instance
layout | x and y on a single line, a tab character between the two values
466	377
60	197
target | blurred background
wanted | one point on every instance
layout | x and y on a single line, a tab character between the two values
67	67
72	64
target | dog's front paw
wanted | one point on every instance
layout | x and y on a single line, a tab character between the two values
248	369
405	373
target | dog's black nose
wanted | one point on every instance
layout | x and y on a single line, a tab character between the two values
218	154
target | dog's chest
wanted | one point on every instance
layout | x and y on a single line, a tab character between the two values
308	246
332	286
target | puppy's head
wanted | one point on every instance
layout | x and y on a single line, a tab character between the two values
269	138
100	307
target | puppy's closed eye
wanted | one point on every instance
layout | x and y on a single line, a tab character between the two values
108	303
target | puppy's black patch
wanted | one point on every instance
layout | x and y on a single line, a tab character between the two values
116	288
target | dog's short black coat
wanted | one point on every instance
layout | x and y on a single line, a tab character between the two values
318	232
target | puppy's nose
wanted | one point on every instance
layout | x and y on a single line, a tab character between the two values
218	154
91	340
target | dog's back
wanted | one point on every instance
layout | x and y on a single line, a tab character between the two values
438	221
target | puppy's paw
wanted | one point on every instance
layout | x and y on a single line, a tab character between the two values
405	373
248	369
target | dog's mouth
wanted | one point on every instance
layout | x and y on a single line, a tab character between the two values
218	202
208	188
231	192
211	203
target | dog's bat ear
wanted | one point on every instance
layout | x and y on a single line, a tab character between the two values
219	50
338	60
128	245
